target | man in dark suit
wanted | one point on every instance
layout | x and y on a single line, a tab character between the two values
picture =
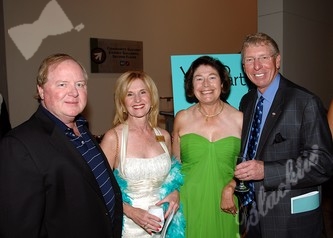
54	179
4	118
293	155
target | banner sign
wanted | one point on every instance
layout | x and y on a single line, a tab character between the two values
181	63
115	56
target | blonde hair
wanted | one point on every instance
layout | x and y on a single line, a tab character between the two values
122	85
260	39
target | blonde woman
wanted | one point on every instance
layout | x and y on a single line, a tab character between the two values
139	151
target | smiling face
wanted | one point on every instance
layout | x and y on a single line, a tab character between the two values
64	94
137	100
261	65
206	84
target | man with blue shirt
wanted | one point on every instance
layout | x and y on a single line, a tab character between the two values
289	145
55	180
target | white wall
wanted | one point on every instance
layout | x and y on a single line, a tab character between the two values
165	28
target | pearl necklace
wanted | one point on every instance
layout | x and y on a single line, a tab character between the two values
210	115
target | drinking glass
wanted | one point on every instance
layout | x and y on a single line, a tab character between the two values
241	187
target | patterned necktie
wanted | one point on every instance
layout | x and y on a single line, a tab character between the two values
252	145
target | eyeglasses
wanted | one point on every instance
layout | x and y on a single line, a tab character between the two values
264	59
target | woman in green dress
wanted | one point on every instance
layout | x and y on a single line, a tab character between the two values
206	139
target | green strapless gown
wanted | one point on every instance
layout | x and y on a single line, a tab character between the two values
207	167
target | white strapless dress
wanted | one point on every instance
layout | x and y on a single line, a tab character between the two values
144	178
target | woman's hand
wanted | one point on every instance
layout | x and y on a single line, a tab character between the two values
173	200
143	218
227	199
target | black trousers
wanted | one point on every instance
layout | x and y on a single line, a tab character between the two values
249	225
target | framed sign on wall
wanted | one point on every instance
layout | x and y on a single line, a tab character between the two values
115	56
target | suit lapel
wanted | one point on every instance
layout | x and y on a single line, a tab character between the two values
248	114
75	158
62	144
272	117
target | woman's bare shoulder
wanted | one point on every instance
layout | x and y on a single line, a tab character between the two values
111	133
184	114
234	114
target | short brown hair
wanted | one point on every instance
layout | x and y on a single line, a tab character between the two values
47	63
260	39
222	70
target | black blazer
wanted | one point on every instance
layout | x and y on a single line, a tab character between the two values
4	118
295	137
47	189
